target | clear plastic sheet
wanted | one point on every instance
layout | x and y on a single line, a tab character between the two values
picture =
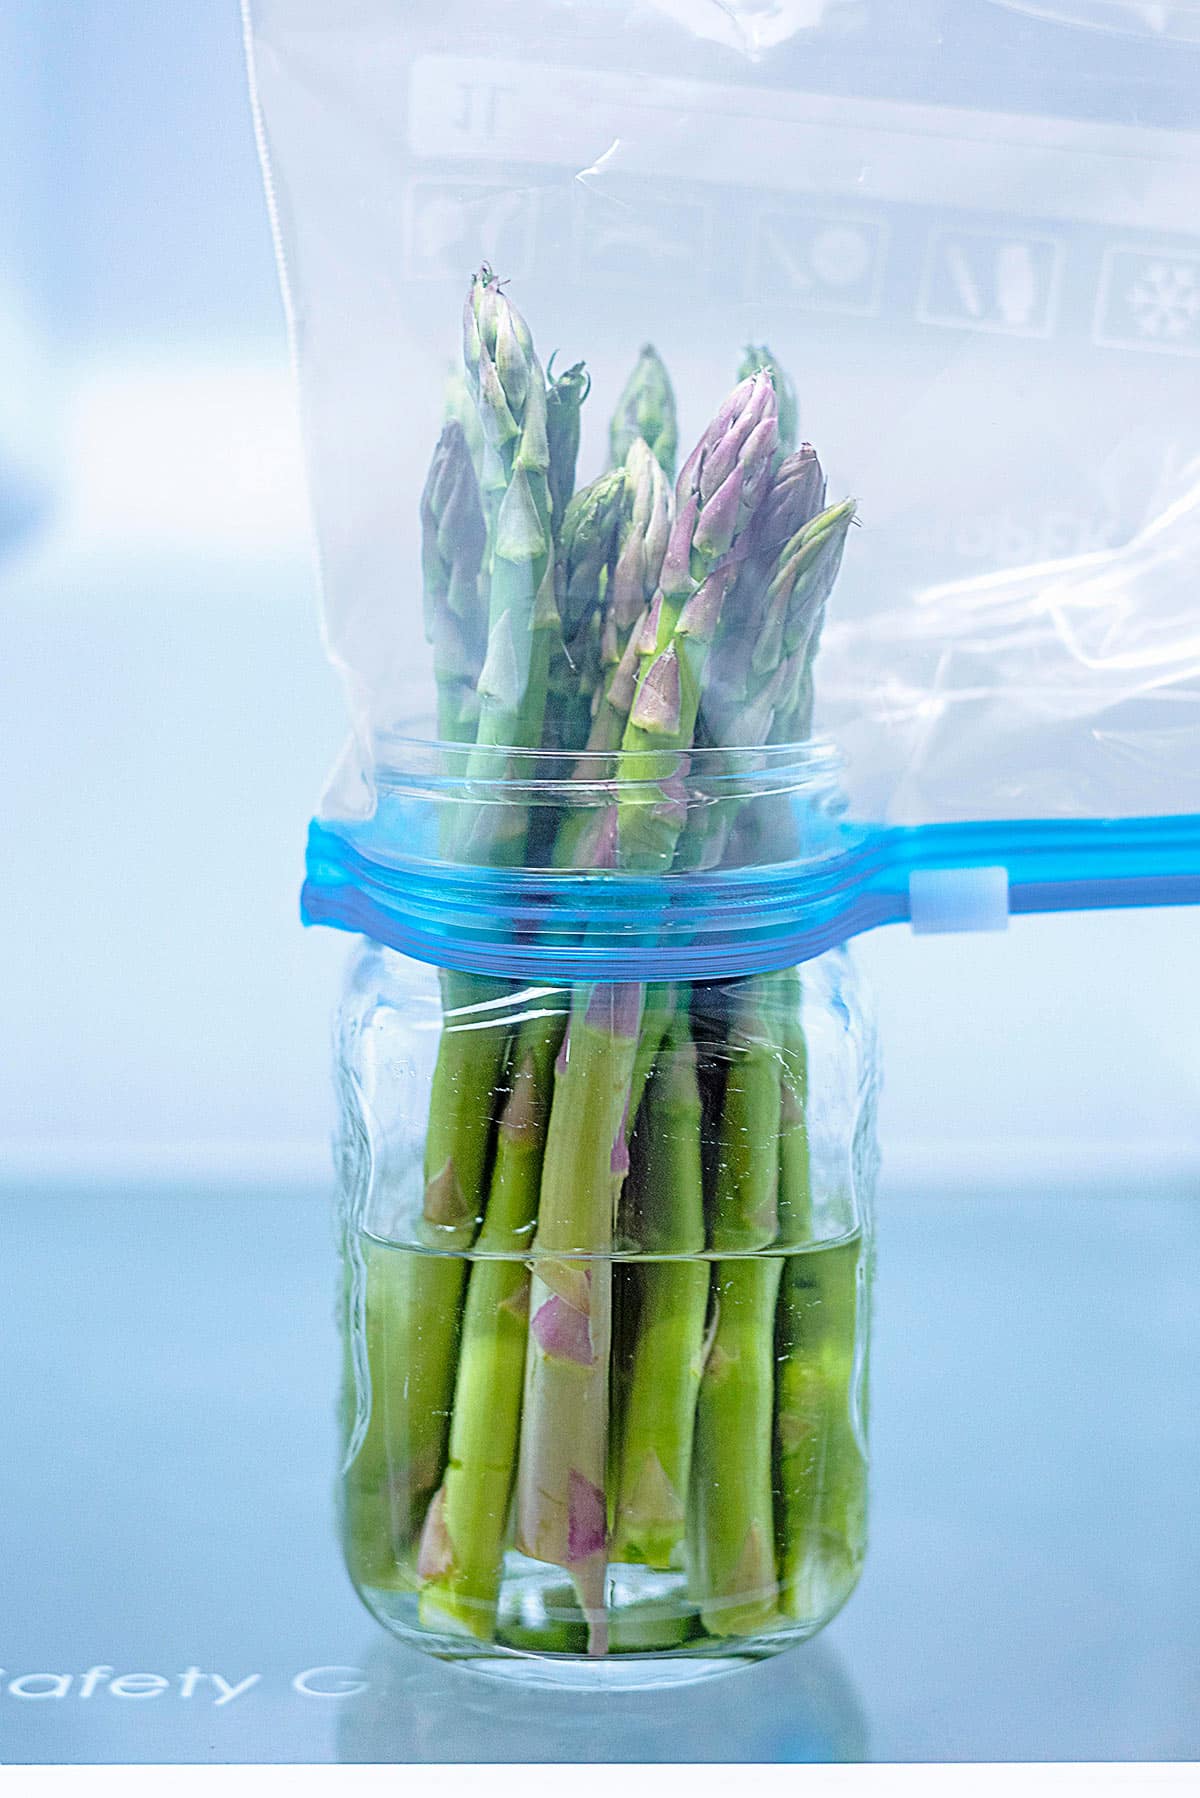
967	231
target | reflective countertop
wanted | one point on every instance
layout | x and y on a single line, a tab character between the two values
168	1363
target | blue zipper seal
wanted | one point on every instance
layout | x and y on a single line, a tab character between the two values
526	924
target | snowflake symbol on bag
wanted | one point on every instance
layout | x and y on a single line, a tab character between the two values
1165	300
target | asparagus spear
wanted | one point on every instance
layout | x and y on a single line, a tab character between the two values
809	567
561	1507
719	487
589	532
586	554
747	1171
585	836
646	409
411	1306
413	1301
643	544
508	388
743	688
822	1456
453	535
382	1492
756	356
506	379
739	670
821	1520
672	1302
795	1172
765	1093
565	395
732	1565
663	1003
462	1546
763	1105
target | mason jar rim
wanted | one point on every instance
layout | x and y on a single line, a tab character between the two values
451	863
407	763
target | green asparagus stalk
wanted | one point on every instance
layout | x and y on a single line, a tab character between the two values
561	1505
414	1301
822	1454
646	409
508	387
586	837
381	1492
718	489
589	545
733	713
820	1446
453	535
745	1214
586	554
807	569
507	382
763	1105
743	688
660	1014
795	1170
412	1306
565	395
643	544
564	1440
809	566
756	356
732	1560
462	1546
672	1302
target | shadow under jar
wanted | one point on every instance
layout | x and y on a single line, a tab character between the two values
607	1258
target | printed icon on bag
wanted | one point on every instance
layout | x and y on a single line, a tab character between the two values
624	233
1149	301
453	225
822	263
999	281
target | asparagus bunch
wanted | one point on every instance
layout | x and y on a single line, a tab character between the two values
714	1433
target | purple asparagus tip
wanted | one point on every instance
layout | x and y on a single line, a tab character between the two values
718	521
676	573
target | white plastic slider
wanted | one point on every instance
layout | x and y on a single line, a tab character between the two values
946	899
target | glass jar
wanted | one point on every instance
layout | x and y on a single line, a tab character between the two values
607	1253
